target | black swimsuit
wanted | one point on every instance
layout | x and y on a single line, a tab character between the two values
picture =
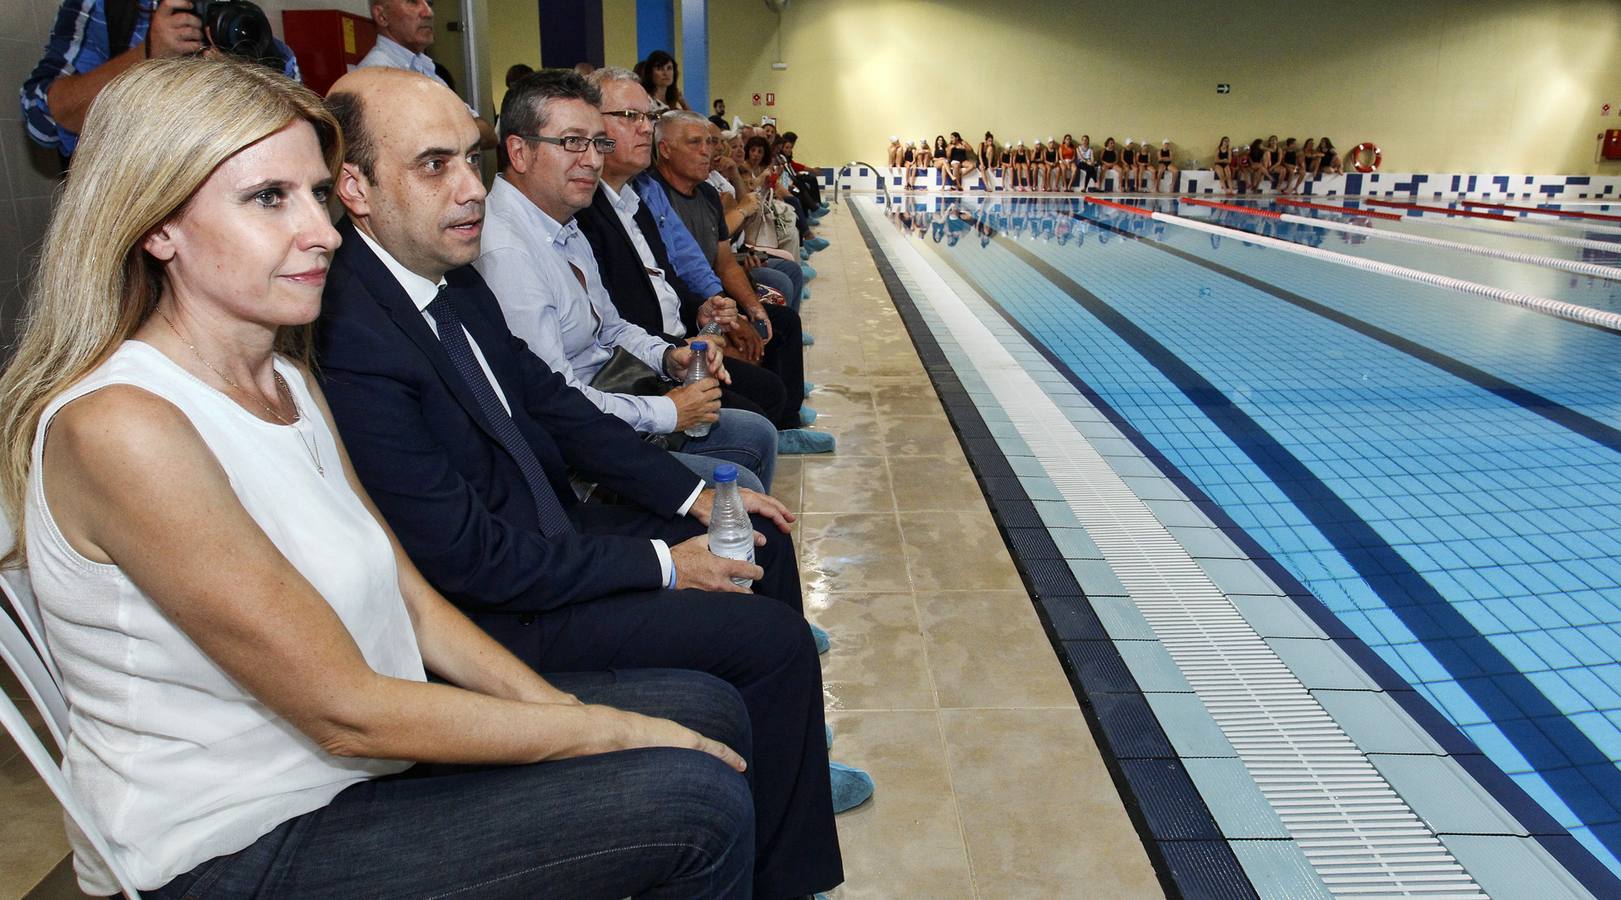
1108	157
959	154
1222	155
1289	157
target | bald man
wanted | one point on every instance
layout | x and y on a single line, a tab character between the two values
404	34
462	438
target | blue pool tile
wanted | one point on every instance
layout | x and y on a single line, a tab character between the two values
1188	725
1444	796
1273	616
1319	664
1130	727
1240	810
1375	722
1236	576
1152	667
1098	667
1206	869
1507	866
1121	618
1162	788
1278	869
1073	543
1096	577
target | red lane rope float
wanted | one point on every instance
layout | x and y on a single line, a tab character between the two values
1441	209
1547	212
1355	157
1134	210
1250	210
1351	211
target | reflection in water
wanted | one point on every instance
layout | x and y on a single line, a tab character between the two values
1070	220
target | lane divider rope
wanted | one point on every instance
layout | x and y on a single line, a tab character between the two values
1443	210
1592	270
1564	213
1350	211
1572	312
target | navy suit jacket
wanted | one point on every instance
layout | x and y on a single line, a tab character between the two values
456	499
624	275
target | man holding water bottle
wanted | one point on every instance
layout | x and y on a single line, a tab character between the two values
461	436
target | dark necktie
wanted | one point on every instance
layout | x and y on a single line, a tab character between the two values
553	520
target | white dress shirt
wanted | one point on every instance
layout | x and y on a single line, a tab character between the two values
422	292
391	54
626	202
535	266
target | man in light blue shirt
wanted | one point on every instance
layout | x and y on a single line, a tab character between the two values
544	274
404	33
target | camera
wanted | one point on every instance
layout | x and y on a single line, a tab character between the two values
239	28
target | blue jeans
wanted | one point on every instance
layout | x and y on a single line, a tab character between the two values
656	822
778	278
747	439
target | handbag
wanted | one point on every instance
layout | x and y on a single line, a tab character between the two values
623	373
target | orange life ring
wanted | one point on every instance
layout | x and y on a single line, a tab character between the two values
1355	157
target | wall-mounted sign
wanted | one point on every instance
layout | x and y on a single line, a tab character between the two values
756	99
1224	88
1605	110
770	99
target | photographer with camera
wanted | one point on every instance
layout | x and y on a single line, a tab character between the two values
93	41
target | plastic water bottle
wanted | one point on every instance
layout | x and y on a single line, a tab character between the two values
698	371
731	533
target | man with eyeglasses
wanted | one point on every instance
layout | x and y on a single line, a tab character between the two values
635	261
460	435
542	271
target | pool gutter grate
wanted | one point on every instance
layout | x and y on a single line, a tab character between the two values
1358	834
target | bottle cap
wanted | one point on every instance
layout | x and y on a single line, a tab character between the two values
725	473
699	346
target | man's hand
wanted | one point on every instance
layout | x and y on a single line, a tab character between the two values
747	343
720	309
696	403
680	362
175	30
756	503
756	313
698	569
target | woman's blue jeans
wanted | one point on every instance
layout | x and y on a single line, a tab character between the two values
656	823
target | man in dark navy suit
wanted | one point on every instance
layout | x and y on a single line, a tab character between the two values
463	437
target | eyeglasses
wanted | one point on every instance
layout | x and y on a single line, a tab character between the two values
575	143
633	116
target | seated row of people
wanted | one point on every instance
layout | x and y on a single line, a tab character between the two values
1284	167
1069	165
357	449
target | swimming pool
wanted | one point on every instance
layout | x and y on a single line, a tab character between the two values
1441	471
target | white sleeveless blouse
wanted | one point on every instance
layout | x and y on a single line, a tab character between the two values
175	761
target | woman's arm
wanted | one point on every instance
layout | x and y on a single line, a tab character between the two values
132	483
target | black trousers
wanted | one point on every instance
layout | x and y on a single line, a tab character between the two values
758	642
785	358
758	391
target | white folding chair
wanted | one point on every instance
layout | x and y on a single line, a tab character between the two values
29	667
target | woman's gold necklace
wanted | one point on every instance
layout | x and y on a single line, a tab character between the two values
281	387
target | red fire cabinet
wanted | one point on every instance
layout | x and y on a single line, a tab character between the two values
327	42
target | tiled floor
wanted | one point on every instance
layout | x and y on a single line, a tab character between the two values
940	682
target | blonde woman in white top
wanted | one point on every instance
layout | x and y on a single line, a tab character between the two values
243	644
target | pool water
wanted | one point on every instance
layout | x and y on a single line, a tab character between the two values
1441	470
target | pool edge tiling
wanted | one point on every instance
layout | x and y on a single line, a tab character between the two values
1187	750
